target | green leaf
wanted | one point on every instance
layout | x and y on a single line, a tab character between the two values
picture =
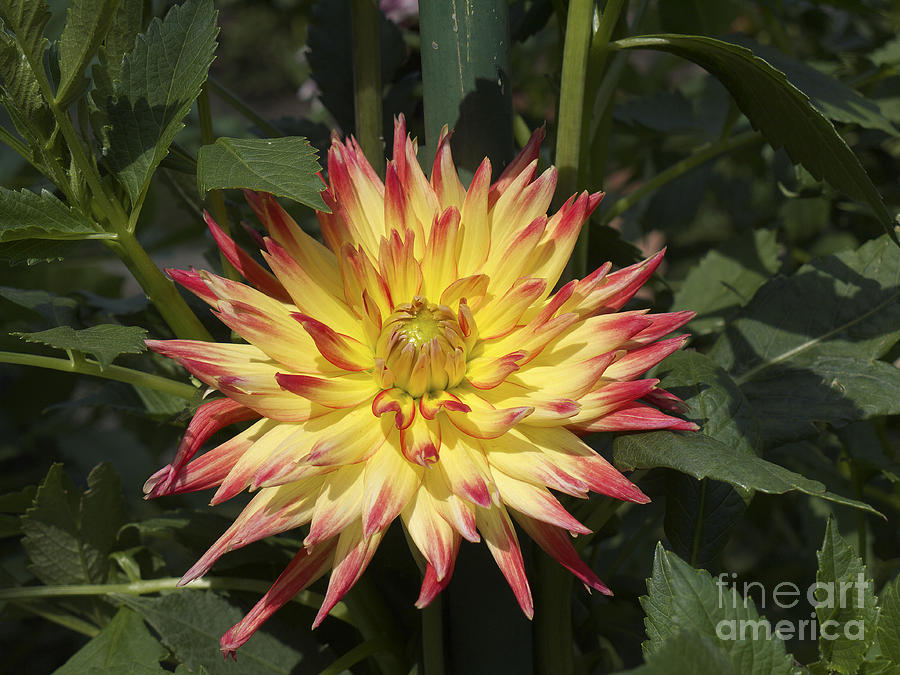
701	456
681	656
158	83
830	96
700	516
846	598
21	94
726	279
190	623
27	19
28	215
125	645
69	535
805	348
285	167
104	342
889	621
87	22
681	600
779	110
57	309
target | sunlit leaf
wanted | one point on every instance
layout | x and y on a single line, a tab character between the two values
87	22
285	167
158	83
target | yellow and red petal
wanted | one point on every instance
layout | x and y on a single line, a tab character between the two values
305	568
500	536
351	557
465	468
483	419
557	543
341	350
420	442
535	501
338	504
390	482
344	391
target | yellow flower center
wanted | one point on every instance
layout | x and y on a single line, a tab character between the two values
423	347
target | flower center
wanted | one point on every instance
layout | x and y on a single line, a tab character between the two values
422	347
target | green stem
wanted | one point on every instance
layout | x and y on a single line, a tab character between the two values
25	593
84	366
553	618
367	82
360	652
571	131
160	290
238	104
374	621
433	638
571	95
17	145
215	198
59	618
679	169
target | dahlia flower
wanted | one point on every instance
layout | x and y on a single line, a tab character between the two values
419	365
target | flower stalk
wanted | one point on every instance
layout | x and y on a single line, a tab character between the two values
367	82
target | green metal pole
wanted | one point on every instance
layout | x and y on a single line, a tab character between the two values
465	73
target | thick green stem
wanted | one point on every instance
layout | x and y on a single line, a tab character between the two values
84	366
356	655
25	593
160	290
553	619
373	620
367	82
572	132
433	638
571	95
679	169
215	198
465	79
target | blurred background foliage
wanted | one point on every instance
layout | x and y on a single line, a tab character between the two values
730	224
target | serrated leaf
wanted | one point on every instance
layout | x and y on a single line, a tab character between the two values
681	656
158	83
27	19
57	309
830	96
28	215
104	342
124	646
701	456
780	111
846	599
68	536
21	93
285	167
87	22
805	348
889	621
727	278
681	599
190	623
